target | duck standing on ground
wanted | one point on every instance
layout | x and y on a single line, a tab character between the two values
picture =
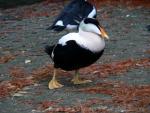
76	50
75	11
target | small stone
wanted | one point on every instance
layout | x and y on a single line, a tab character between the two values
27	61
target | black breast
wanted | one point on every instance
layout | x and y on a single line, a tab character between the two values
72	56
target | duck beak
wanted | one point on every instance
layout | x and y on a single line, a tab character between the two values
103	33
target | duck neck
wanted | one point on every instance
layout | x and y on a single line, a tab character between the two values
88	34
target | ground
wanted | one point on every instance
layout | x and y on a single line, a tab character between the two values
121	81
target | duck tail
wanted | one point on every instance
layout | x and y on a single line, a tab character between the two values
56	28
49	49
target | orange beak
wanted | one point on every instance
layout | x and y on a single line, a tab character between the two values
103	33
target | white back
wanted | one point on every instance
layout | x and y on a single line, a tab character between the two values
86	40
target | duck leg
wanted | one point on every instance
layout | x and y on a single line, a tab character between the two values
53	84
77	80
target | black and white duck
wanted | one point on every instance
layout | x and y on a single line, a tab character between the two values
73	14
77	50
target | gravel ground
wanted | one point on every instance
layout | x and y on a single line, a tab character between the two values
25	36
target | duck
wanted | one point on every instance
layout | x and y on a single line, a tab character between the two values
76	50
73	14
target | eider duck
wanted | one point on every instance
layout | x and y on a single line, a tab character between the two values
76	50
72	14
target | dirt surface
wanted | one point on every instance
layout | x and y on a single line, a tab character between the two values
121	77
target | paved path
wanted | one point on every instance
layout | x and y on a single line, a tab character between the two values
23	36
